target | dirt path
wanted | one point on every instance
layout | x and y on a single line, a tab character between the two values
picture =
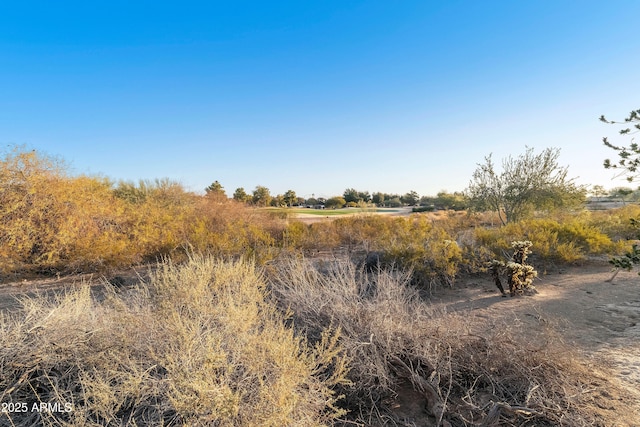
11	292
600	319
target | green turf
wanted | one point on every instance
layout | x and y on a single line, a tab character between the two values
331	212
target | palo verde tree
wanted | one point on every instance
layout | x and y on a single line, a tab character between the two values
629	155
526	183
335	202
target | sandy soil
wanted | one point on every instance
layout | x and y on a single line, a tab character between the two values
600	319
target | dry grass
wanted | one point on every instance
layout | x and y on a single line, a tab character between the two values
196	345
498	375
215	343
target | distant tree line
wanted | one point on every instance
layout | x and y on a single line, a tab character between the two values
525	184
261	197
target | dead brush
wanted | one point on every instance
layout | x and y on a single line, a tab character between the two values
466	372
196	345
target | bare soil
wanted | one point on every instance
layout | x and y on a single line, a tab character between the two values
600	319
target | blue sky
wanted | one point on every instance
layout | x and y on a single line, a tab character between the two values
316	96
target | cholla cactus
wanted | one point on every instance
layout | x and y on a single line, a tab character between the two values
519	274
520	277
497	269
521	251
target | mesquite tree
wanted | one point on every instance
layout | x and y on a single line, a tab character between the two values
528	182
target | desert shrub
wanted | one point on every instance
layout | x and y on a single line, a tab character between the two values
53	222
615	222
454	221
310	238
194	345
376	320
355	231
49	221
418	209
427	250
411	243
228	228
465	374
553	241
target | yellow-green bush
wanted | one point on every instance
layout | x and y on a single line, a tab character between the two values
51	221
616	222
417	244
567	241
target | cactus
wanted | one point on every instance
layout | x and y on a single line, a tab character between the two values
519	274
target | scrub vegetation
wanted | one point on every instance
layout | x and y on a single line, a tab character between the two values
250	317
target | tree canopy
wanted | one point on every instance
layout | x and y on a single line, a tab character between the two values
241	195
215	189
528	182
629	156
261	196
335	202
290	198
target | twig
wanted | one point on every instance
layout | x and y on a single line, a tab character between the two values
435	405
498	407
446	397
615	273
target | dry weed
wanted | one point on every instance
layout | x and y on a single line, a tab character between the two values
195	345
464	377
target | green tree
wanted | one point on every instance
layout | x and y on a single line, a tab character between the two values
215	189
620	192
378	198
351	195
629	156
335	202
411	198
455	201
598	191
393	201
261	196
277	201
290	198
364	196
241	195
530	181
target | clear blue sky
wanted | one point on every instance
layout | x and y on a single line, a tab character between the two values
316	96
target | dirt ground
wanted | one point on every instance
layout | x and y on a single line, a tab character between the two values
600	319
